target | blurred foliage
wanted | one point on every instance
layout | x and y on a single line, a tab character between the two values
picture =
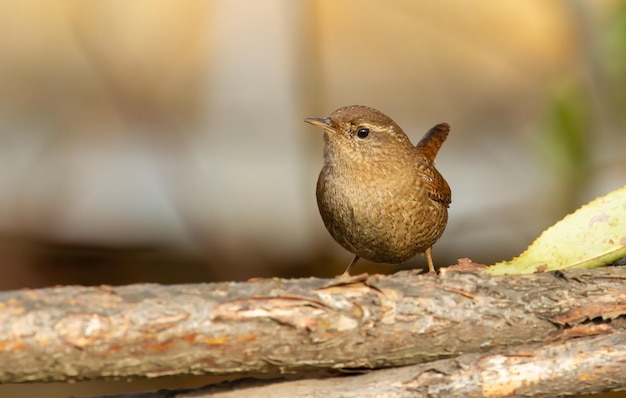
613	52
566	142
585	102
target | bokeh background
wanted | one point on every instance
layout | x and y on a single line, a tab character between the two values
162	141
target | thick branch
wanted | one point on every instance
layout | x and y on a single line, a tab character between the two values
584	365
288	326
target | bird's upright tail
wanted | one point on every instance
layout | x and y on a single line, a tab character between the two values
431	142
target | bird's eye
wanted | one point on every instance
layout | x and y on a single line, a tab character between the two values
363	132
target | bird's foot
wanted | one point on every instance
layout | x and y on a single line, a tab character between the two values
346	278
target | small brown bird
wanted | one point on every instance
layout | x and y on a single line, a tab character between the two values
379	196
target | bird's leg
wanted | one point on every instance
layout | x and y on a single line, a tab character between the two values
346	273
347	279
429	260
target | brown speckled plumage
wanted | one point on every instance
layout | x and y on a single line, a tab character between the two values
379	196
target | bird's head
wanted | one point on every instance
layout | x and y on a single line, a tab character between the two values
361	133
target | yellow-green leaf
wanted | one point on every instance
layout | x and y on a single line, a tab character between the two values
592	236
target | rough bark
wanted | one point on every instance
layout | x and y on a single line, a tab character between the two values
562	367
277	326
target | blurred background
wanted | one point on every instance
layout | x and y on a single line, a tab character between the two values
163	141
154	141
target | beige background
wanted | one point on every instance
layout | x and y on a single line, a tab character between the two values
163	141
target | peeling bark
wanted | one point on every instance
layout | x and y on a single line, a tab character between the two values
588	365
277	326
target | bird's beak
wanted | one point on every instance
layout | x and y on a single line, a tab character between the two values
325	123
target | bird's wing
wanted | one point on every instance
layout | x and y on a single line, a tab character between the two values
435	185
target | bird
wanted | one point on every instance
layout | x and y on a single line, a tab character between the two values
379	196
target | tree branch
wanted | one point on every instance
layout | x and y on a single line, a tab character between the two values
277	326
585	365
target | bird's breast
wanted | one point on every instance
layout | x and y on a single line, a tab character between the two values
381	218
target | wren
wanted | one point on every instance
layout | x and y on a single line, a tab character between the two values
379	196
